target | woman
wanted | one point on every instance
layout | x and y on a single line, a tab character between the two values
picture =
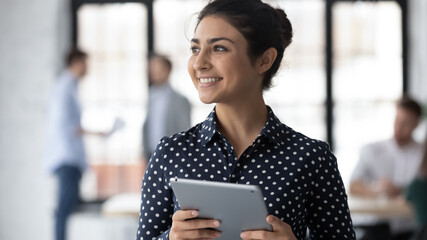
237	48
416	193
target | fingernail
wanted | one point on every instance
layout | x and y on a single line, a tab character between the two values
215	223
217	234
243	235
194	213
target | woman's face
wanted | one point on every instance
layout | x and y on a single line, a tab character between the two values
219	66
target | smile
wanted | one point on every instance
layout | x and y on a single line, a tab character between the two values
209	80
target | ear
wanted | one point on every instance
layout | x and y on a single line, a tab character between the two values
266	60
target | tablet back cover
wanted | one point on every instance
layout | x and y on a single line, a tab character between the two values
238	207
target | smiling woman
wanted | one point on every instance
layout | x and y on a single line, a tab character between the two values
237	48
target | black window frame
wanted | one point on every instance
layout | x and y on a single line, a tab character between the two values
76	4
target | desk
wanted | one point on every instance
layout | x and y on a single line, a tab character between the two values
124	204
381	207
129	203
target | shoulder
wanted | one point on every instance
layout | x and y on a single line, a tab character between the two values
179	140
377	147
302	141
178	98
174	149
64	83
289	138
306	151
177	94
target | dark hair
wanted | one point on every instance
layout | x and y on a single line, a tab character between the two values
262	26
162	58
75	54
410	104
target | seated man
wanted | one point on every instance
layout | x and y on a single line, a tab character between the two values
385	168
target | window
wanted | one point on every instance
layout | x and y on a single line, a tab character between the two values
367	75
299	91
114	35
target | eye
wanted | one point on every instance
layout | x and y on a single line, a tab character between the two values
195	49
219	48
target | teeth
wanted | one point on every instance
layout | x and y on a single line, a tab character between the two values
209	80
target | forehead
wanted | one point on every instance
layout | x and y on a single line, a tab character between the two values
404	113
215	26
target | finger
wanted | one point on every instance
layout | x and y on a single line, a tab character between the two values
199	224
182	215
200	234
257	234
278	225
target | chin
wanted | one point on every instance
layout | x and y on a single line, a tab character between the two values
206	100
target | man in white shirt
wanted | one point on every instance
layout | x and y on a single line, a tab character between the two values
385	168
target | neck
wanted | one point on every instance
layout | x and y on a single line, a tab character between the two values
241	123
403	143
74	72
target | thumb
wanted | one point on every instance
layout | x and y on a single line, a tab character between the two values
280	227
275	222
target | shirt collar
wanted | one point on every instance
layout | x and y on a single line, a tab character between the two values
209	128
272	130
68	79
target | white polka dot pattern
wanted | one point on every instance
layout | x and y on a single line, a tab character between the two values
298	175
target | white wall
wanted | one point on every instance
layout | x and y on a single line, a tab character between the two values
32	35
418	58
418	47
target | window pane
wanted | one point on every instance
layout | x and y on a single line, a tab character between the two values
367	75
114	35
299	90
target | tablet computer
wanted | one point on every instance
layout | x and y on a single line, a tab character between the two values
238	207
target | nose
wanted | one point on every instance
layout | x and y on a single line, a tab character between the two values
202	61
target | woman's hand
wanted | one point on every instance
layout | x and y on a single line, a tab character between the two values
281	230
186	226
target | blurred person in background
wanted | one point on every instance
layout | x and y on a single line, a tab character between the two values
416	193
385	168
168	111
65	148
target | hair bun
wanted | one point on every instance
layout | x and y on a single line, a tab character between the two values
285	27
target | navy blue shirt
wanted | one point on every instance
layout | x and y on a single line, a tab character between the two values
299	177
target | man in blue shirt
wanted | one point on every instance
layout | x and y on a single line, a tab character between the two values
66	154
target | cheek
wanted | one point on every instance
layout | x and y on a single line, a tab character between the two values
190	68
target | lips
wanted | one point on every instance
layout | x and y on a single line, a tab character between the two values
210	79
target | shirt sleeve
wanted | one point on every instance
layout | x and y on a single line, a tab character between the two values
362	170
157	207
329	215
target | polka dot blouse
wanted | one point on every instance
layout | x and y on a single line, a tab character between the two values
299	177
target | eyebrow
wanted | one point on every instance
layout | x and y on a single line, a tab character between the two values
212	40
